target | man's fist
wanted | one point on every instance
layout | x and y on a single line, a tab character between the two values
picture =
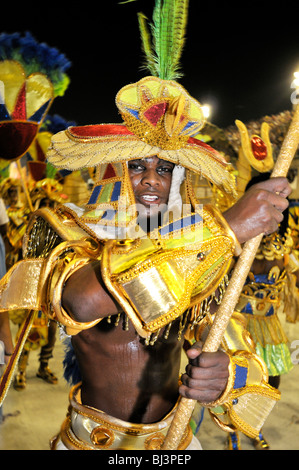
259	210
206	374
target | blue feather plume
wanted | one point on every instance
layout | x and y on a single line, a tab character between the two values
72	372
36	57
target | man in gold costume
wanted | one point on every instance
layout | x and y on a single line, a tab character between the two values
142	265
128	274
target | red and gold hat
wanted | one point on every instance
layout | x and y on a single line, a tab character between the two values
160	118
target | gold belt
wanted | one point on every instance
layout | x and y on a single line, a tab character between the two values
87	428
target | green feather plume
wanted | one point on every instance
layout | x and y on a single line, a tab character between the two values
150	62
163	47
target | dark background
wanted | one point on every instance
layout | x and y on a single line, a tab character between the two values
238	57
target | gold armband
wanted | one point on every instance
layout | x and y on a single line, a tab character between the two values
227	228
63	263
250	399
224	397
53	248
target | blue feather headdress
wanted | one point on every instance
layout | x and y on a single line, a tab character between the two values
36	57
32	75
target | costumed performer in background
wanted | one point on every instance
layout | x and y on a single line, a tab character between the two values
267	287
44	193
18	213
6	343
6	346
32	75
3	229
262	297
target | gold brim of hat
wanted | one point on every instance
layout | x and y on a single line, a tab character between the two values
90	146
160	118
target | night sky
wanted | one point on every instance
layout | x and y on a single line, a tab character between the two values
239	59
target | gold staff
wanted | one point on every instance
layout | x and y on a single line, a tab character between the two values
234	289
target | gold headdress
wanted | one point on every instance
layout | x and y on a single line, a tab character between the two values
160	118
31	76
6	185
254	152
